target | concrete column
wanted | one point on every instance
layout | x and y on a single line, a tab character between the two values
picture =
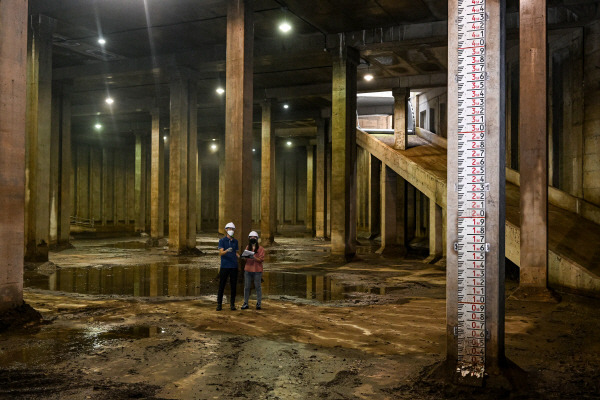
157	181
435	232
321	181
39	116
192	166
401	115
198	193
309	187
178	168
388	210
533	151
411	213
238	120
268	196
222	221
343	163
65	209
419	214
140	183
375	197
13	88
495	197
54	167
401	220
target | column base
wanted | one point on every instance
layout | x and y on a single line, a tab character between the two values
60	246
443	376
157	242
534	293
395	250
18	316
432	259
322	239
36	252
186	252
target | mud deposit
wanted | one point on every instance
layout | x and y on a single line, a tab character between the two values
126	321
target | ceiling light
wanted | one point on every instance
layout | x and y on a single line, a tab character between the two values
213	147
254	150
214	140
165	138
109	100
368	77
102	41
98	126
286	106
220	90
289	143
285	27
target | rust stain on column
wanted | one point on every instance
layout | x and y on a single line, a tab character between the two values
13	88
238	121
533	144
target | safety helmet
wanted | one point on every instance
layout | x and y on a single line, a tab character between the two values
253	233
230	225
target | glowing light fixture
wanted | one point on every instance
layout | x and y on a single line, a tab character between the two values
368	77
220	90
213	147
289	143
286	106
254	150
214	140
285	27
102	41
98	126
109	100
165	138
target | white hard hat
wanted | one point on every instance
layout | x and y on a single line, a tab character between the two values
230	225
253	233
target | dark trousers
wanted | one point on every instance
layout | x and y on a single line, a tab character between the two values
225	273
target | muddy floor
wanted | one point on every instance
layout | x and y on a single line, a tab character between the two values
122	320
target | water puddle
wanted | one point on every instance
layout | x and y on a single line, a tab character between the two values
51	345
157	280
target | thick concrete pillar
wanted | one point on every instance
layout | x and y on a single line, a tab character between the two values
435	232
198	193
309	187
494	200
39	117
60	153
238	120
222	221
401	114
374	197
321	181
343	163
411	213
268	196
179	168
13	89
533	151
192	164
388	210
157	181
401	220
140	182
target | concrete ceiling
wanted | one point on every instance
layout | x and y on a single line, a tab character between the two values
402	42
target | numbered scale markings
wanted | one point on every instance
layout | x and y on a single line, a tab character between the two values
471	244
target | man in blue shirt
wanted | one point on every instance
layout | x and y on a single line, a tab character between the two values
228	250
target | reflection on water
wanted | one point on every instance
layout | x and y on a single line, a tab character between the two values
180	280
56	345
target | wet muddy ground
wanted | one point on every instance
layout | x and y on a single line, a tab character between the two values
122	320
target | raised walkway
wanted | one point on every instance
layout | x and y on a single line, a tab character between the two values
573	241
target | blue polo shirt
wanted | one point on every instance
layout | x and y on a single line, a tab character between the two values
229	260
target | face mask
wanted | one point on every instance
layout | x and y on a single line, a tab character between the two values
230	233
253	241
